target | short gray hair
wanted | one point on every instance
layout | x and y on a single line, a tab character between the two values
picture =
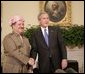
42	12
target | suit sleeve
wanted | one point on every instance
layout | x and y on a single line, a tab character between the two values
11	50
61	44
33	52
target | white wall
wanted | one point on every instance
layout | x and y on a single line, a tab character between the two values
78	12
27	9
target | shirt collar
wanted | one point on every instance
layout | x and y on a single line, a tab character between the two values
17	33
44	28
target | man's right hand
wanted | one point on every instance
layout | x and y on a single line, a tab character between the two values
31	61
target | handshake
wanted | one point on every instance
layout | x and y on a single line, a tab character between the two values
30	63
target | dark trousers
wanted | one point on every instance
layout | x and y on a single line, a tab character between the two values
48	68
51	66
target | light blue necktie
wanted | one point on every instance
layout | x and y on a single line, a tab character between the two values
46	37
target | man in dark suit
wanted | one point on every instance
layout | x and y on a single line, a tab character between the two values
51	50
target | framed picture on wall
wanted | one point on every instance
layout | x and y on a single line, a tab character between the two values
59	11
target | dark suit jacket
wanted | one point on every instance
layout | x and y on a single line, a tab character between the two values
56	48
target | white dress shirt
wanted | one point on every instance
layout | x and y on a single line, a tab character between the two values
42	29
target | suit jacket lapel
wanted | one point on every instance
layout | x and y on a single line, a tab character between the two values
41	37
40	34
50	35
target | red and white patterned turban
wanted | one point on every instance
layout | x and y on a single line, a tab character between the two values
15	19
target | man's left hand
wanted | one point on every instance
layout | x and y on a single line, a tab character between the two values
64	63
